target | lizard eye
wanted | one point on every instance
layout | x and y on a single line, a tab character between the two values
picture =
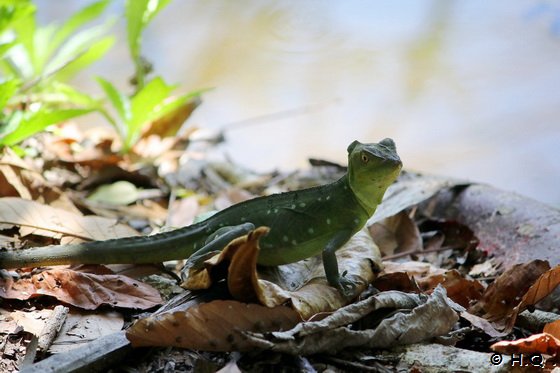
365	158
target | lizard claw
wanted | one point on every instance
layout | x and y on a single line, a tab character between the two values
346	287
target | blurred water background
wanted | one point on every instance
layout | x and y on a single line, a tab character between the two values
469	89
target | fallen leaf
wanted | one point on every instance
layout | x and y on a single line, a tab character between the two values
542	343
35	218
455	235
83	327
400	281
311	294
423	318
499	303
120	192
511	228
169	124
460	289
213	326
396	234
483	325
19	179
410	190
553	328
31	321
83	290
182	212
544	285
413	268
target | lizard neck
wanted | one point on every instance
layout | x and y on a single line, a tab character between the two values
368	197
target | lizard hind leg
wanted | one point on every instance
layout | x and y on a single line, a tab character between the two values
214	244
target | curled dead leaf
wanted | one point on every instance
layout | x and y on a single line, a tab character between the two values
359	258
542	343
213	326
423	318
501	300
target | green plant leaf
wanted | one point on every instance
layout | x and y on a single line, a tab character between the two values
5	47
144	105
68	94
122	105
10	123
77	45
92	54
12	11
80	18
139	13
168	106
34	122
25	29
42	47
120	101
7	89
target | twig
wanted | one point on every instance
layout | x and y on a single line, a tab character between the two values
51	328
417	251
260	119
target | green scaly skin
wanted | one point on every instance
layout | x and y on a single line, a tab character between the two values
302	224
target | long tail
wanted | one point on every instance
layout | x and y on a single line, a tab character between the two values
177	244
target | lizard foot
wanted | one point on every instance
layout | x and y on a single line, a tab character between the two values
346	287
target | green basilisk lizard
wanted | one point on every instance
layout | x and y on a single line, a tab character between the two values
302	224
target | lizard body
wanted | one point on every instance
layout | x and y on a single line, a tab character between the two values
302	223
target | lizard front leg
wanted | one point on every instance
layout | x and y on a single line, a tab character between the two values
330	263
215	243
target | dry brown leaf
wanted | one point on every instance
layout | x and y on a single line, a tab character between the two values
542	343
183	211
544	285
214	326
170	124
511	228
359	258
460	289
408	191
482	324
35	218
97	157
311	294
396	234
83	290
83	327
553	328
500	301
400	281
18	179
413	268
423	318
242	273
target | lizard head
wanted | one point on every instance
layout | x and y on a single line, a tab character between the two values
371	169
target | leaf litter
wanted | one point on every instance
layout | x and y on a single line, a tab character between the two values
444	282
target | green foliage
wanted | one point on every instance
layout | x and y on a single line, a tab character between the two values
21	125
139	13
54	51
150	103
36	62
